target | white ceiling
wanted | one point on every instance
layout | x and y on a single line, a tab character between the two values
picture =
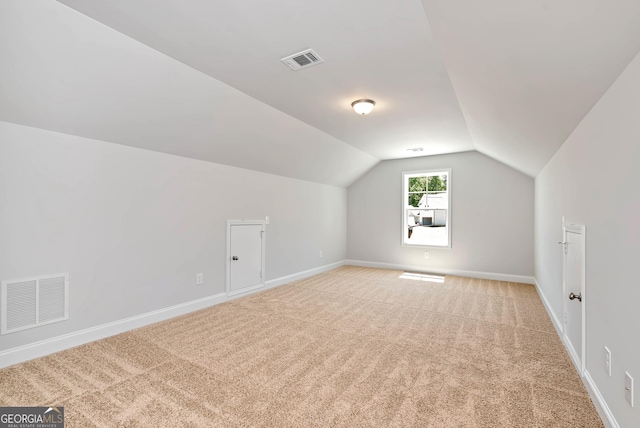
510	79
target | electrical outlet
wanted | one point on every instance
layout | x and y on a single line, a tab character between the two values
320	254
628	388
199	279
426	254
266	220
607	360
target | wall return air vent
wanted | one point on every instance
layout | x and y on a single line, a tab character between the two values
33	302
304	59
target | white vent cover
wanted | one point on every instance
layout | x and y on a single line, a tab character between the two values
302	60
33	302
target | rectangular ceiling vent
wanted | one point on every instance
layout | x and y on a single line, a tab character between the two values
33	302
302	60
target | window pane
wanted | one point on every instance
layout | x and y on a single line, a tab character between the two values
417	184
415	198
438	183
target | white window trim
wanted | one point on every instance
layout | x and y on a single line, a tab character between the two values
404	202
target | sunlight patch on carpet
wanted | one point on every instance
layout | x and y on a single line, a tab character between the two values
422	277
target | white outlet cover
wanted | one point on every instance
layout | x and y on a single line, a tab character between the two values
607	360
628	388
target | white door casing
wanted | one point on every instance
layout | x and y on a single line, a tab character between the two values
574	292
245	256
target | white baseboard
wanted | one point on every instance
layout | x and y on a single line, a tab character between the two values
554	318
304	274
59	343
596	397
598	401
23	353
445	271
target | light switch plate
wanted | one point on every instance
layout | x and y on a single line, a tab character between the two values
628	388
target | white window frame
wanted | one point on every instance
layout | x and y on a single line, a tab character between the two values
405	194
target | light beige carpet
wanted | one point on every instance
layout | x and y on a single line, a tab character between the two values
352	347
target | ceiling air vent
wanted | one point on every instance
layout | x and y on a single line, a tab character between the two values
302	60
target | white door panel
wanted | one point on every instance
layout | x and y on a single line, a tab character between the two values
574	292
246	258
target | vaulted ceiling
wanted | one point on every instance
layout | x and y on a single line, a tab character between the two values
203	78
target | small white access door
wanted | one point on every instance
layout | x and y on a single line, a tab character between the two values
574	292
245	256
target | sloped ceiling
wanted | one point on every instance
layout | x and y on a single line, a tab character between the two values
203	78
526	72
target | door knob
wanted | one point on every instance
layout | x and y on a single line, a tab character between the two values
575	296
234	258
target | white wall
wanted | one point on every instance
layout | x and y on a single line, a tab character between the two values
594	180
133	227
492	217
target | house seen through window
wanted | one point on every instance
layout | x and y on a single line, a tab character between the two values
426	213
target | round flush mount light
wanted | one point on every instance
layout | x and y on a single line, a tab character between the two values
363	106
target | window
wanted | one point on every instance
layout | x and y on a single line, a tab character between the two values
426	214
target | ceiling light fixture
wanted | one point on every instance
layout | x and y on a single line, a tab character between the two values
363	106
